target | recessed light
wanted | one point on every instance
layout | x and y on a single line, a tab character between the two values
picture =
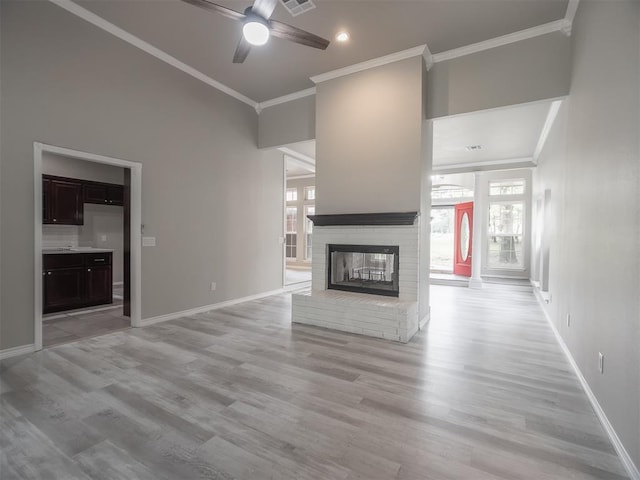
471	148
342	37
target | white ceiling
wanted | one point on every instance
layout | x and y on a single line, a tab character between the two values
506	134
206	41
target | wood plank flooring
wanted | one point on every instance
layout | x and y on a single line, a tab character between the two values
484	392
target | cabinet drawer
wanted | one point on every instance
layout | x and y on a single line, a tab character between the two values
97	259
62	260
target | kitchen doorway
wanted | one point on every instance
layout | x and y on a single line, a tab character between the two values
97	278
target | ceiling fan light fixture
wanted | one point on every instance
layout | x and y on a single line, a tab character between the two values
342	36
255	32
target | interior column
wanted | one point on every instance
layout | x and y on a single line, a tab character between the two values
479	210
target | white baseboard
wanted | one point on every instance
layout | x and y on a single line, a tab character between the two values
625	458
206	308
15	351
117	284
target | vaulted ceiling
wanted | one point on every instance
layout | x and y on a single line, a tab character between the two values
206	41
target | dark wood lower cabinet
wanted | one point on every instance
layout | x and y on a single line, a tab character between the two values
75	280
63	288
99	285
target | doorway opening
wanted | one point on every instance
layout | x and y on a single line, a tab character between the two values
87	244
299	203
450	241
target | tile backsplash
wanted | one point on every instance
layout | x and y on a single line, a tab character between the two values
55	236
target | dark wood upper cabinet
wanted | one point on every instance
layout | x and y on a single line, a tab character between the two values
103	193
62	201
46	202
63	198
115	194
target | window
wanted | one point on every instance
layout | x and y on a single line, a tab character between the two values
442	225
505	232
440	192
308	230
513	186
310	193
292	194
292	232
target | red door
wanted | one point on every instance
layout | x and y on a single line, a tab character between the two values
462	239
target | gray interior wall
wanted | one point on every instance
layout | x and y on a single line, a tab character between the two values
213	201
53	164
525	71
103	228
369	140
286	123
590	165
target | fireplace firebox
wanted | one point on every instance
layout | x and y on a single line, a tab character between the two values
364	269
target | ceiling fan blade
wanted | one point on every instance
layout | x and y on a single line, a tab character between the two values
227	12
242	50
287	32
264	8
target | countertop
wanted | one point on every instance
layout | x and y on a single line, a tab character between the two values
49	251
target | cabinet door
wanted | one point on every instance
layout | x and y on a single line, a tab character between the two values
115	194
62	289
66	202
46	200
99	285
95	193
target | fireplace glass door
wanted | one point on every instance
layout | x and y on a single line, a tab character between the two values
364	269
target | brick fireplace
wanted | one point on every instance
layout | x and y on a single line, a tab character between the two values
365	312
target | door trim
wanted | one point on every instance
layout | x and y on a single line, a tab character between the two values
135	222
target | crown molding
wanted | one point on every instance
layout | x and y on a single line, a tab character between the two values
546	128
428	57
500	41
375	62
563	25
131	39
570	14
286	98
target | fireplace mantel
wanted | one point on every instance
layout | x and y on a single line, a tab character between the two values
370	219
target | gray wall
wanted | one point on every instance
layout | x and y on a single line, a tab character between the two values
212	199
369	140
590	166
286	123
53	164
525	71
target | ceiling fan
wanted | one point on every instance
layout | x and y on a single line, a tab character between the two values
258	27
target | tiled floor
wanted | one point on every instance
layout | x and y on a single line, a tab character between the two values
64	327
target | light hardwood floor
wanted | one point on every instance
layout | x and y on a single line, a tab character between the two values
484	392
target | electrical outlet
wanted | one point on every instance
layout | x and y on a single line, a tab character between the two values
103	238
213	286
601	362
568	319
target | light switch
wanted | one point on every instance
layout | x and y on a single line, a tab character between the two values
103	238
148	241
